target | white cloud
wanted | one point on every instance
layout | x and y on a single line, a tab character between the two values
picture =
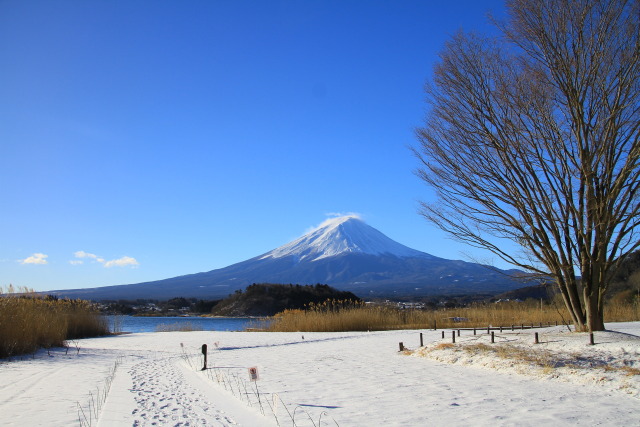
122	262
340	214
37	258
83	254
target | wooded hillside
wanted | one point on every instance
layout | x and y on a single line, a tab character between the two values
266	299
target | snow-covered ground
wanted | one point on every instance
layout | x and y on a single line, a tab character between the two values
314	379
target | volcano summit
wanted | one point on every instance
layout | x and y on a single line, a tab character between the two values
342	252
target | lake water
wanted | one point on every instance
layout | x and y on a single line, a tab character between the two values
151	324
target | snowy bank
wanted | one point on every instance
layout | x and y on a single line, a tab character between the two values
346	379
612	363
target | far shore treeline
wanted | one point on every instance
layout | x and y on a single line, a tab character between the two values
258	299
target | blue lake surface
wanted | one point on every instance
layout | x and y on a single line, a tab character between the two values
150	324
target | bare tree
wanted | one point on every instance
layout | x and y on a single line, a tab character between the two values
534	137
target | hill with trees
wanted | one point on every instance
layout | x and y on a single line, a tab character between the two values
266	299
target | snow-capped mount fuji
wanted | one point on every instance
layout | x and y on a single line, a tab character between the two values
342	252
343	235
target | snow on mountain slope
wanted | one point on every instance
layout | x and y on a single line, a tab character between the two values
346	234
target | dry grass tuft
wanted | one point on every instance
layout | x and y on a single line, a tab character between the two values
543	359
178	327
29	321
628	370
443	346
339	316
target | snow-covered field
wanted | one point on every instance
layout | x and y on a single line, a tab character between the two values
313	379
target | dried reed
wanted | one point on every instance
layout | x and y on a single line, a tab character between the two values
29	321
178	327
333	316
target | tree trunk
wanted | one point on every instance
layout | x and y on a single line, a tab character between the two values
595	318
571	297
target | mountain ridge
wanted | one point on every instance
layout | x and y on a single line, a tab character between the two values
344	253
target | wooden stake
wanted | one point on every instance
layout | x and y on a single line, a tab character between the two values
453	337
536	339
492	337
401	347
421	341
204	351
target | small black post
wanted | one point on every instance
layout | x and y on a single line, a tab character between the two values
458	332
401	347
500	329
492	337
204	351
474	331
522	326
488	329
442	334
591	341
536	339
453	337
421	341
512	327
556	323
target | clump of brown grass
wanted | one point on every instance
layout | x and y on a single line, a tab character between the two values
617	311
29	321
337	316
178	327
443	346
543	359
628	370
349	316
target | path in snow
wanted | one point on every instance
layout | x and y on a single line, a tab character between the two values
164	397
166	391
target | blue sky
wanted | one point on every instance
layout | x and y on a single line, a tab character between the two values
141	140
